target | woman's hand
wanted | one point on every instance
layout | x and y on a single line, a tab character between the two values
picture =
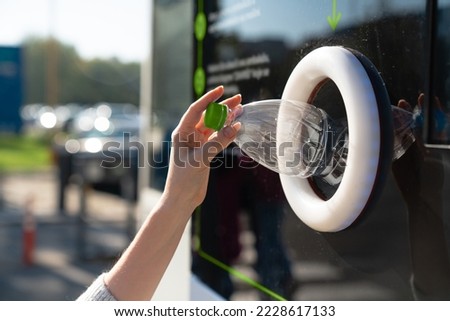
138	271
193	148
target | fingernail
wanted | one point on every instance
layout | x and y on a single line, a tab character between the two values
228	132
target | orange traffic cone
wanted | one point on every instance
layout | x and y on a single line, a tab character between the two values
28	234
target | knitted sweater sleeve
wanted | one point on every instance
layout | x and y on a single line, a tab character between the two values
97	291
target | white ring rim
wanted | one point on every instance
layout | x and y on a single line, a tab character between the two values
353	82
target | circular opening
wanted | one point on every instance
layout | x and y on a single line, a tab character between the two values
327	97
363	159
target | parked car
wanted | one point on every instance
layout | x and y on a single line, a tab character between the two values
95	147
41	119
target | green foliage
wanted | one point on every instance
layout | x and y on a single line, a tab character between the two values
77	80
23	153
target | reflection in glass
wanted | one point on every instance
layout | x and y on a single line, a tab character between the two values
252	49
440	104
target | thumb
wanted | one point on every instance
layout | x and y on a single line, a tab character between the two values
220	141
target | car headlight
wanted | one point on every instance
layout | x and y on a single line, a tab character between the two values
93	145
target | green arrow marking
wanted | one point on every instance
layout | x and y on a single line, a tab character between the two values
335	18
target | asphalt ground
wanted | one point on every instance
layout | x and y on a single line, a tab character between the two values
66	255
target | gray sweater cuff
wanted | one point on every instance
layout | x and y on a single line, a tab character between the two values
97	291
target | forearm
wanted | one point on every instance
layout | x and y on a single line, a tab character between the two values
137	273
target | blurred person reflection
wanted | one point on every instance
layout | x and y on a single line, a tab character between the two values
240	185
420	175
218	222
266	205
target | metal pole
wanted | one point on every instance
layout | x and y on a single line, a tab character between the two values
146	96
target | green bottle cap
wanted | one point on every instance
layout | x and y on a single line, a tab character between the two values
215	116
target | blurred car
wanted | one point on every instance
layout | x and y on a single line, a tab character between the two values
41	119
99	147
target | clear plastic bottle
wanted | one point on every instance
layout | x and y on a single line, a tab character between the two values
310	143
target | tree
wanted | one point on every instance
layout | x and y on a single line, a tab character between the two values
78	80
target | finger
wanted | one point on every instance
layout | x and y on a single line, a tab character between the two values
404	105
201	128
233	101
194	113
220	141
421	100
206	131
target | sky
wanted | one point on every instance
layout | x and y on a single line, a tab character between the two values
96	28
114	28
